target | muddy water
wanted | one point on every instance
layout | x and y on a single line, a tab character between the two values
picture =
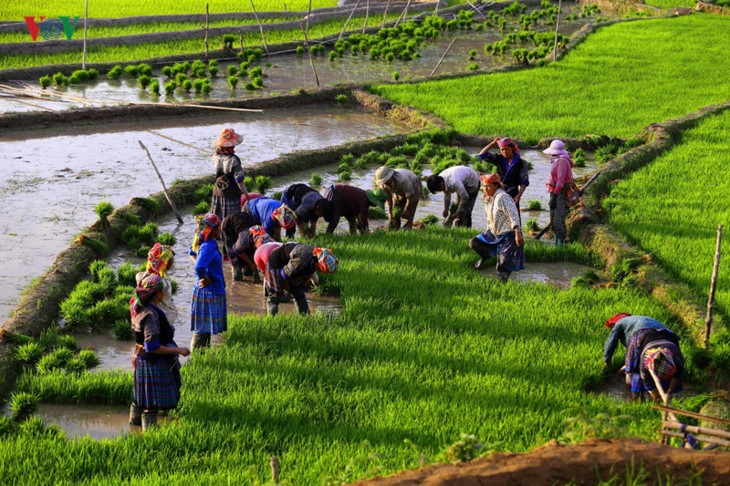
51	181
95	421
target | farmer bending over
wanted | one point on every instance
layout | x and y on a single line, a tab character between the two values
464	182
403	189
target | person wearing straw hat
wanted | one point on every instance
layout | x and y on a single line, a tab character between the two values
352	203
289	268
462	181
511	167
273	215
155	360
309	205
559	182
403	190
622	327
229	177
503	238
654	359
208	310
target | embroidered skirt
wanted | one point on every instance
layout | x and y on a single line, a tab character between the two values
208	312
156	383
510	256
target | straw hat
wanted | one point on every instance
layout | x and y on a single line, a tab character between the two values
383	175
228	138
556	148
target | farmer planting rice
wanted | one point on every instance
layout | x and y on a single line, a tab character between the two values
462	181
653	359
229	176
289	269
155	360
560	181
623	326
273	215
352	203
240	236
309	206
511	167
503	237
403	190
208	311
160	259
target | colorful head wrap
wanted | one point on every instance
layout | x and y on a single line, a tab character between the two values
491	179
159	258
615	318
206	224
326	260
286	218
661	360
144	291
259	235
508	142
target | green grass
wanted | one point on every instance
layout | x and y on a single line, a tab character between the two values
17	9
671	3
404	371
134	52
618	81
672	207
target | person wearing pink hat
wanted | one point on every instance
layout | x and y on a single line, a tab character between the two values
229	175
559	182
511	167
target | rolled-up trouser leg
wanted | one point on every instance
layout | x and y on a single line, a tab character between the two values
199	340
301	299
480	247
135	415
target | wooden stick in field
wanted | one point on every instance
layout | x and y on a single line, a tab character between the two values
385	14
557	24
240	39
207	17
403	15
164	188
347	22
476	9
311	61
442	57
177	141
367	14
86	20
713	285
261	27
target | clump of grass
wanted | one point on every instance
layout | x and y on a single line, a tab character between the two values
341	98
67	342
315	180
123	331
579	157
114	73
126	274
464	450
45	81
263	183
29	353
232	80
54	360
203	193
395	75
344	175
103	209
472	67
531	225
60	80
85	360
167	239
534	205
201	208
22	405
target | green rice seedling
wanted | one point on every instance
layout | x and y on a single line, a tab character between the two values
155	87
258	82
227	40
143	251
534	205
126	274
67	342
347	161
579	157
277	195
250	183
263	183
299	50
429	220
315	180
198	85
173	282
167	239
149	204
22	405
232	81
104	209
344	175
54	360
472	54
74	313
180	78
7	426
472	67
167	71
45	81
60	80
114	73
187	85
84	360
48	338
395	75
204	193
123	331
144	69
33	427
98	266
249	87
201	208
131	237
29	353
105	312
170	88
132	71
606	152
333	55
143	81
341	98
532	226
256	72
129	217
100	387
213	71
232	70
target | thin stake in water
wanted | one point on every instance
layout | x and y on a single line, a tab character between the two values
164	187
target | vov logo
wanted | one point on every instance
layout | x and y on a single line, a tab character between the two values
51	28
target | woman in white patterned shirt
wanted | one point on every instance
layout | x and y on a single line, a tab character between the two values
503	238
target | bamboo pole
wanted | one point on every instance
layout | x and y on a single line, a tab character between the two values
442	57
403	15
693	429
713	286
177	141
474	7
347	22
709	440
261	27
164	188
86	21
207	24
557	24
385	14
367	14
309	52
240	39
692	414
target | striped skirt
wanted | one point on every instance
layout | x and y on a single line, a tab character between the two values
224	206
510	256
156	383
208	312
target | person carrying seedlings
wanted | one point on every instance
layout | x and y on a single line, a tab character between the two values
289	268
511	167
462	181
622	327
208	311
352	203
160	259
653	358
558	185
309	206
240	241
155	360
403	189
229	177
503	237
273	215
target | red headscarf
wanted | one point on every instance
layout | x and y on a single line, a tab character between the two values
615	318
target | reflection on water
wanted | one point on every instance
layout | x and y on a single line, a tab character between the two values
95	421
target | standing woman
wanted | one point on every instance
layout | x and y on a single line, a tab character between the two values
208	311
511	167
560	181
155	360
229	175
160	259
503	237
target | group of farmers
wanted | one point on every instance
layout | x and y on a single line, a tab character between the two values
251	225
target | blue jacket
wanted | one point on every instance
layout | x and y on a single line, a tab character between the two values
624	329
262	208
209	263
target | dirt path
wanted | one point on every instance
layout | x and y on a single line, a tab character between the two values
590	462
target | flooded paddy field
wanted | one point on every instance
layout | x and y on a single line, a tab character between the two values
53	179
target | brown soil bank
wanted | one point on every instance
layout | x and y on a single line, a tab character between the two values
590	462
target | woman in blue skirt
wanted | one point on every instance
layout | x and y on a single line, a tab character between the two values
208	311
155	360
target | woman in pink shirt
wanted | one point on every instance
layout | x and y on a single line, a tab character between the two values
560	181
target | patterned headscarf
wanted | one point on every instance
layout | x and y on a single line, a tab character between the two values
259	235
286	218
326	260
610	322
508	142
148	287
491	179
158	258
661	360
206	224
